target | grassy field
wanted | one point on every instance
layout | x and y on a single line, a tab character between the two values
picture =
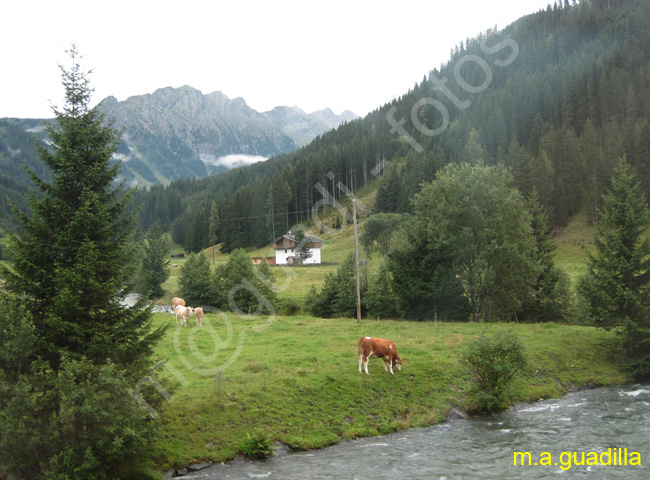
296	378
574	240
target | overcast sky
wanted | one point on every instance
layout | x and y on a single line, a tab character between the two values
351	54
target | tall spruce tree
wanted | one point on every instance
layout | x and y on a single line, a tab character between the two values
65	410
617	285
154	267
76	249
550	301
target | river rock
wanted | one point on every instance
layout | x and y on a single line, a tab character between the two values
280	449
455	414
199	466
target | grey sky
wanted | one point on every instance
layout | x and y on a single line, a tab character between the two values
352	54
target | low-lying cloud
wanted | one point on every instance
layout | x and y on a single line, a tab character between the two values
231	161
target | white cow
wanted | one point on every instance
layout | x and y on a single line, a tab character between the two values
198	313
183	313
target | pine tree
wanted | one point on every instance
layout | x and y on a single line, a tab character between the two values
337	296
213	228
550	300
617	285
380	298
154	268
67	414
240	287
302	245
195	281
76	250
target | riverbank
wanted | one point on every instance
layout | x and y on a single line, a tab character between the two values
296	379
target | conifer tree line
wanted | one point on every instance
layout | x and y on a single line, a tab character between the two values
559	116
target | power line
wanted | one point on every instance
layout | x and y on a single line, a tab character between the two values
249	217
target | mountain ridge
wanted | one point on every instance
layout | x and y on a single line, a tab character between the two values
168	135
183	124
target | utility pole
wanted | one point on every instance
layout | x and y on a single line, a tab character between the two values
356	257
272	221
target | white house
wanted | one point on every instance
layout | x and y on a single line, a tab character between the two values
287	253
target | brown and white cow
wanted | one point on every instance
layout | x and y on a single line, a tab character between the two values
176	301
379	348
183	313
198	313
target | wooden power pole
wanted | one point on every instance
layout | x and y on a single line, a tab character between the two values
356	257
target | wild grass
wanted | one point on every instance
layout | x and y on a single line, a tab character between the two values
295	379
574	241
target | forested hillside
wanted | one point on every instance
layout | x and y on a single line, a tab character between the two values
14	183
172	134
558	96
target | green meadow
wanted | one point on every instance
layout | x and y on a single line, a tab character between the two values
296	379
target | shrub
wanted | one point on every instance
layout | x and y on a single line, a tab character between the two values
258	446
492	361
288	306
195	280
338	295
380	298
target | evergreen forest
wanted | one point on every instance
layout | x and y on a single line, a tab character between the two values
557	97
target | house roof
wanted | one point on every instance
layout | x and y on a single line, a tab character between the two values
312	240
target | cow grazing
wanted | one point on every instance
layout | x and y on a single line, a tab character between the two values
378	348
198	313
176	301
183	313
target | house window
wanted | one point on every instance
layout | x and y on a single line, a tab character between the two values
285	250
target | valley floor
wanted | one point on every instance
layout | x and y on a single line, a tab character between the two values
296	378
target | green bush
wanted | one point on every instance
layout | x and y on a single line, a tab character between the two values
258	446
242	288
195	280
492	361
338	295
287	306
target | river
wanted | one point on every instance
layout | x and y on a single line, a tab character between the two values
565	438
